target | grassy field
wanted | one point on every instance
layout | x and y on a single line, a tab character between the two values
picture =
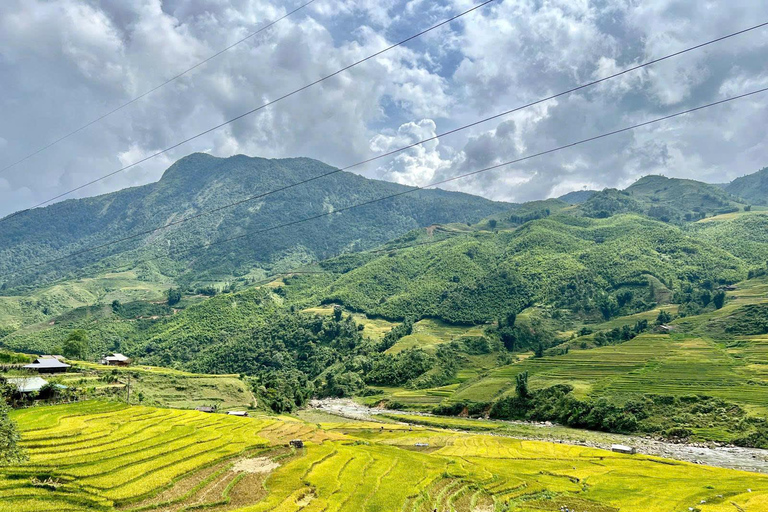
428	334
155	386
17	311
106	456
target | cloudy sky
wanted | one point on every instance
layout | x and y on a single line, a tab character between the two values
67	62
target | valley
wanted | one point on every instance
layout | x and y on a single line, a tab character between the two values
502	356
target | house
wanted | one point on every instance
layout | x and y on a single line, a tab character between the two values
620	448
296	443
28	384
47	364
116	359
205	408
237	413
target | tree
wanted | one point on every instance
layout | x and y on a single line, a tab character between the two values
539	350
511	319
337	311
116	305
719	299
521	385
492	223
663	318
76	345
10	452
174	296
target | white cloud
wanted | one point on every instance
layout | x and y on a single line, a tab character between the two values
417	165
64	63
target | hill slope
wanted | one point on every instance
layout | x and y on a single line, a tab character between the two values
665	199
753	187
202	182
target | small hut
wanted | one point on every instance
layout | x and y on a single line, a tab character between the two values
296	443
205	408
116	360
237	413
620	448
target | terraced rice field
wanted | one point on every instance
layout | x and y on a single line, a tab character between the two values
429	333
662	364
106	456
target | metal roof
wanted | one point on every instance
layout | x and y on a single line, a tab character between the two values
43	362
28	384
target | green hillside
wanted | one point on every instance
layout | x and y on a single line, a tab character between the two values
577	196
665	199
203	182
753	187
593	267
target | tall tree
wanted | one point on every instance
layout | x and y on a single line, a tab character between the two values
76	345
10	451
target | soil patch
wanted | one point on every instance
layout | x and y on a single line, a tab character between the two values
257	465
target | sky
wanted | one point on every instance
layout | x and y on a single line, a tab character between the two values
65	63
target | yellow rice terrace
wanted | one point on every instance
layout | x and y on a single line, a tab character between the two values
107	456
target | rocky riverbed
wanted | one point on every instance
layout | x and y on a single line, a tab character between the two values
732	457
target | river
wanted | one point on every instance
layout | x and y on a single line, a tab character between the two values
732	457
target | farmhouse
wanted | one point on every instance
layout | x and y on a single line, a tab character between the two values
205	408
28	384
237	413
116	359
47	364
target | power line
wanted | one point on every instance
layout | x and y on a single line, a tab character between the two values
263	106
433	184
150	91
398	150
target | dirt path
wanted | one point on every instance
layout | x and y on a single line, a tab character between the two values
732	457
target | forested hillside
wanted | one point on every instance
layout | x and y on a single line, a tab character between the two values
665	199
752	187
202	182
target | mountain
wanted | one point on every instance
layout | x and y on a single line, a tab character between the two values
577	196
665	199
202	182
753	187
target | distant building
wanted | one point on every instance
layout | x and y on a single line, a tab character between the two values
47	364
620	448
205	408
296	443
116	360
237	413
28	384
